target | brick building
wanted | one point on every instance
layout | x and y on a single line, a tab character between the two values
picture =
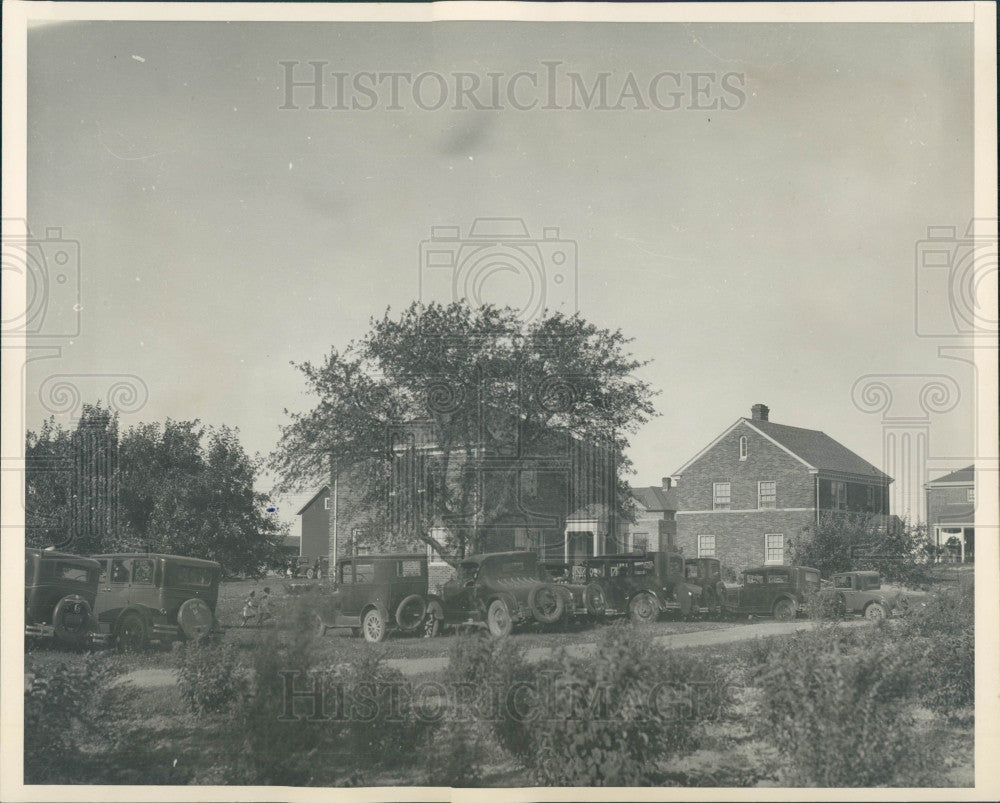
655	525
749	494
951	514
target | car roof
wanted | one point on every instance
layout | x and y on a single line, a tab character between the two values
480	559
387	556
778	568
158	555
52	553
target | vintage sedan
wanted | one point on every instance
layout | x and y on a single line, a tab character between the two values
706	573
60	590
778	591
861	593
145	598
376	594
502	589
641	586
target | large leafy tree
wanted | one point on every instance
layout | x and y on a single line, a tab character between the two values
474	392
177	487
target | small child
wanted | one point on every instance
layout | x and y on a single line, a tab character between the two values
264	606
249	607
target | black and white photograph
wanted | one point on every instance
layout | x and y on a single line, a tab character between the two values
429	401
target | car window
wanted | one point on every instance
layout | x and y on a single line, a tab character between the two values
691	570
142	572
812	579
119	571
675	565
346	574
777	578
753	579
73	572
191	575
842	582
468	572
410	568
643	568
714	571
104	571
364	572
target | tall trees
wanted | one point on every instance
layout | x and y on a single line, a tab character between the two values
177	487
438	415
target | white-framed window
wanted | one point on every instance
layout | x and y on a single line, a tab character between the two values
440	534
838	493
326	503
970	494
706	546
774	548
767	494
638	542
744	447
721	495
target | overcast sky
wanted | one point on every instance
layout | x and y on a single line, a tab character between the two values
763	253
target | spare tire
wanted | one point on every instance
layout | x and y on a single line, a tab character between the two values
72	621
410	612
595	599
195	619
547	604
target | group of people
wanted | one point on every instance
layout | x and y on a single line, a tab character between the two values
257	607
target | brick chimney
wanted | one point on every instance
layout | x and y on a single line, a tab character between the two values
759	412
665	483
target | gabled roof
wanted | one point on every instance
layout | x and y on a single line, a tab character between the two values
814	449
325	489
817	449
653	497
963	476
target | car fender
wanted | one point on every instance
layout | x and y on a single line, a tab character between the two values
383	612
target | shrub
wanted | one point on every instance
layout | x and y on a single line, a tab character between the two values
62	710
836	707
211	679
607	719
823	606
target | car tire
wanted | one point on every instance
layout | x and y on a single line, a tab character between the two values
784	610
310	574
72	622
875	611
643	609
595	599
499	619
195	619
410	612
433	619
131	634
373	627
547	604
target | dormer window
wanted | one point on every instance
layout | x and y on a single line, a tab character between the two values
744	447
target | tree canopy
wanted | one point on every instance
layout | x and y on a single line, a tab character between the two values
476	390
178	487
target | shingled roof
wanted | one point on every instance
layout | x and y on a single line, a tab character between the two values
817	449
653	497
962	476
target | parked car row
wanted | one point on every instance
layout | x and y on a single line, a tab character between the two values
130	600
378	594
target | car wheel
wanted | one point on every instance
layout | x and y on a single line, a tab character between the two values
875	611
373	627
72	622
196	619
643	609
547	605
410	612
433	619
132	634
784	611
310	574
498	619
